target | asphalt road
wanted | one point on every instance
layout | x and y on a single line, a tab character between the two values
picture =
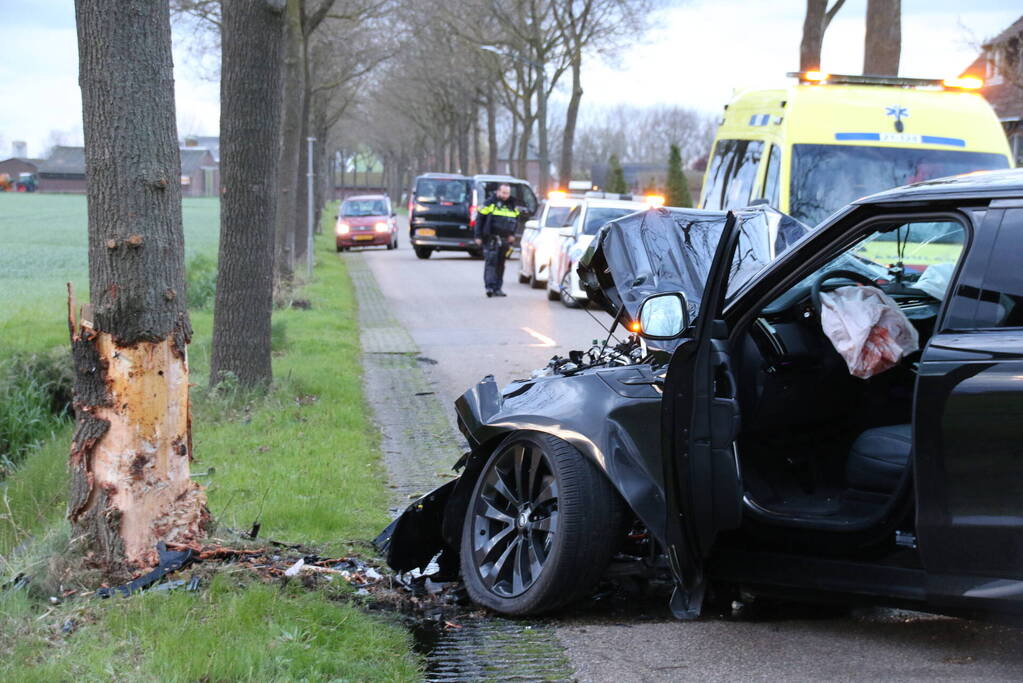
441	303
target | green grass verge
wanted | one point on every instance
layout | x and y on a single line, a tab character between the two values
44	242
303	458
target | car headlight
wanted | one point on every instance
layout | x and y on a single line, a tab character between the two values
382	227
343	228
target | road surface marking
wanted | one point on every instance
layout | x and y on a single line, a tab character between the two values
542	338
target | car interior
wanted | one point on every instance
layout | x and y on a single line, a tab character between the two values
820	446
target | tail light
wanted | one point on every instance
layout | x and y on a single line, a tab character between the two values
472	216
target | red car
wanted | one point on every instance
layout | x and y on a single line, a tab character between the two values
365	221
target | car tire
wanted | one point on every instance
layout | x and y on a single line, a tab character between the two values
561	517
475	253
523	278
423	252
534	283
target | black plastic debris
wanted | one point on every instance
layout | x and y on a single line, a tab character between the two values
170	561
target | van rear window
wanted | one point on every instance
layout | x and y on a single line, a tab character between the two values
827	177
433	190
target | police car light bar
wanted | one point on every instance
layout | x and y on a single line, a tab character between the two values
817	77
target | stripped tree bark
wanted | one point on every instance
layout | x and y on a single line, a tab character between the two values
250	114
132	444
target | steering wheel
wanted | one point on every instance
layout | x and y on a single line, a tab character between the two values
815	288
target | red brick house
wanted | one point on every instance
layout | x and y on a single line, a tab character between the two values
1000	64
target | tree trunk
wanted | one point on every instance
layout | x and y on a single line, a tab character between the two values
132	446
523	162
291	144
493	151
464	128
477	148
252	36
815	24
301	224
883	42
813	35
571	118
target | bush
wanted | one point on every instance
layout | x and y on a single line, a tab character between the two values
615	176
200	282
35	397
678	186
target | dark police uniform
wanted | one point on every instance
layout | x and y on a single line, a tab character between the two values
496	222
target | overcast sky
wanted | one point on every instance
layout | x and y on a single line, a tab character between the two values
695	55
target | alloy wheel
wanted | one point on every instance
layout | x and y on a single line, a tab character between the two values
515	519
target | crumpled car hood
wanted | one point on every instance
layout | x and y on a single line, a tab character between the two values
671	250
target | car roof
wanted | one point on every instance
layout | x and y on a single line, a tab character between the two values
979	185
366	196
613	203
483	177
442	176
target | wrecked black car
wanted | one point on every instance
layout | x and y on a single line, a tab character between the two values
826	414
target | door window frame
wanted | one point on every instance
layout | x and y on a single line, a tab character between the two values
741	313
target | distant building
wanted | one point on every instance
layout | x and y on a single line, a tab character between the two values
210	142
15	166
200	173
1000	64
63	171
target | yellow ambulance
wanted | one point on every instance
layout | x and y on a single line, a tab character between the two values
817	145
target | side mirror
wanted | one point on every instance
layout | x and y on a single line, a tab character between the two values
532	224
566	231
663	316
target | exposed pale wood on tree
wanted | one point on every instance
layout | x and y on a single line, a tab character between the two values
131	450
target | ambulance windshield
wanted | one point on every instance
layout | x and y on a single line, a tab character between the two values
827	177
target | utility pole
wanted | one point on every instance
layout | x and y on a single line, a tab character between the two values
309	209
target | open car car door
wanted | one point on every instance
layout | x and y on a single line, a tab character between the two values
700	422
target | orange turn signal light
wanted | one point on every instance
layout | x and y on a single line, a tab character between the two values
655	200
635	327
964	83
557	194
815	76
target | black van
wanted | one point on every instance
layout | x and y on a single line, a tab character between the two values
442	209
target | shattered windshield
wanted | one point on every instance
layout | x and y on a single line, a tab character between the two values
827	177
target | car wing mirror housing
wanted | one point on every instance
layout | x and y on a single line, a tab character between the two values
565	232
532	224
663	316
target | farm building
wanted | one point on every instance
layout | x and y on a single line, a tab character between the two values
200	174
63	171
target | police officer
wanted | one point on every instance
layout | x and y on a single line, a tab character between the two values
495	232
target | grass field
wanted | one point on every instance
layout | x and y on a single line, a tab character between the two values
303	457
43	243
